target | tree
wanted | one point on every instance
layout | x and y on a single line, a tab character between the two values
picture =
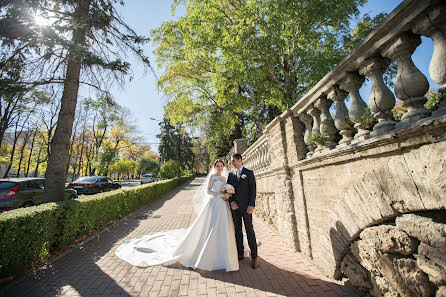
171	169
241	63
125	168
85	35
175	144
149	163
201	155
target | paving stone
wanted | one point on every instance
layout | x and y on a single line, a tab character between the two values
92	269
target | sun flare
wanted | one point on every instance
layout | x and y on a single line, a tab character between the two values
41	21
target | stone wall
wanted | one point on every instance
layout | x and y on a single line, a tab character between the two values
329	189
320	205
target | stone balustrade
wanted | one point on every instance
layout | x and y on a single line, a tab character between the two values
394	40
324	178
257	157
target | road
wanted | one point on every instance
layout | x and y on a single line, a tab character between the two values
129	183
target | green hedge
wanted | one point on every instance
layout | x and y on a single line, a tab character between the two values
29	235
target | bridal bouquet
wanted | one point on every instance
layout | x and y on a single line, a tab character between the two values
227	189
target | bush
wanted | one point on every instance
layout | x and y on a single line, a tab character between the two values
368	121
434	98
30	235
318	139
170	169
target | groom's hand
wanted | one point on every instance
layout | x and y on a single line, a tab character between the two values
250	210
234	206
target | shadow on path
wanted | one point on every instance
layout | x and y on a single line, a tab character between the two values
78	270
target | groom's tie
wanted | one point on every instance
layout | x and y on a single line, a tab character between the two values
238	174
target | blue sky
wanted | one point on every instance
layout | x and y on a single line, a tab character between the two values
142	98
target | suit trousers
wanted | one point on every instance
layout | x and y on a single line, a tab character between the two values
237	216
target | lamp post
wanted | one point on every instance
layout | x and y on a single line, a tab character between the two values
159	122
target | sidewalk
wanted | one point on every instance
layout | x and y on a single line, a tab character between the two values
92	269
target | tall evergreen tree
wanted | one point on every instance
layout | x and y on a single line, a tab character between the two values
175	144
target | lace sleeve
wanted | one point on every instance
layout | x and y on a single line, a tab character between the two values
210	185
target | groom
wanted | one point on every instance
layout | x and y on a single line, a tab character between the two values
242	206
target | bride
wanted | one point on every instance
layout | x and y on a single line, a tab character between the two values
208	244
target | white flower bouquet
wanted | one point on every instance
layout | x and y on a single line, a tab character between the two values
227	189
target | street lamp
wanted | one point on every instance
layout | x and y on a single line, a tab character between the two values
153	119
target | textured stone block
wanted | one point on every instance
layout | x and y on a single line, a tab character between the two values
382	288
433	262
358	276
441	292
424	229
427	167
389	239
403	274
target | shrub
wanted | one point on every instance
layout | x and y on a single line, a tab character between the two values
368	121
434	98
170	169
30	235
318	139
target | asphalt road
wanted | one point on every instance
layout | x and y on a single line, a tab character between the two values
129	183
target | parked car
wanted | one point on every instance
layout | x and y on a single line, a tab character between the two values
148	178
93	185
25	191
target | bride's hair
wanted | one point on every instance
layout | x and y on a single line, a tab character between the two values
218	161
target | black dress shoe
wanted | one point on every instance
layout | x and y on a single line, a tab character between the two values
241	257
255	263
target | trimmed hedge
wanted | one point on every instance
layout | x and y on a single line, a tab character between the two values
29	235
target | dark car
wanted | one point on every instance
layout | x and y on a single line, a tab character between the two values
93	185
25	191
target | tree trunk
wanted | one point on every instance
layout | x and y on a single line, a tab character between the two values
80	154
30	153
5	118
22	152
56	174
11	158
36	170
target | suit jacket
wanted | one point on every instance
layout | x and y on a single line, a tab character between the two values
245	189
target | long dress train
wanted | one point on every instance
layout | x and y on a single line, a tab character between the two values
208	244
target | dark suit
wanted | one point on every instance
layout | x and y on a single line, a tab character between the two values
245	195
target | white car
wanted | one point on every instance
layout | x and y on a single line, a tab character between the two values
147	178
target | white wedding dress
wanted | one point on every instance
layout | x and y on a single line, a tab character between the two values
208	244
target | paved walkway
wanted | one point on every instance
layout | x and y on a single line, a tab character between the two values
92	269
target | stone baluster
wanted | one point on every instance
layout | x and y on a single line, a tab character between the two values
433	25
262	157
261	163
341	120
316	129
256	160
327	124
268	158
410	83
307	120
381	100
352	83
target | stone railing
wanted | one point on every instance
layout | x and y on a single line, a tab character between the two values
240	145
323	180
256	157
227	159
394	40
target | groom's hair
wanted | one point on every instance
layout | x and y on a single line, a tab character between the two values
237	156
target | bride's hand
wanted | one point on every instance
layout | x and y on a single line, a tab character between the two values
227	195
